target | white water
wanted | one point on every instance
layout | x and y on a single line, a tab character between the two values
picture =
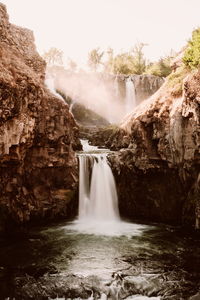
130	101
99	215
97	197
88	148
98	201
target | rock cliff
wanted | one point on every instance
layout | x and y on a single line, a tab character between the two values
38	135
145	85
158	165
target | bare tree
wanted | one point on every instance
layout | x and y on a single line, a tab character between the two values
94	58
139	62
53	56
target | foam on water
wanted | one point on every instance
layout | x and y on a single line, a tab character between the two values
106	228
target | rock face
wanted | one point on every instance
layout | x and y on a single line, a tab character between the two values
145	86
158	167
38	135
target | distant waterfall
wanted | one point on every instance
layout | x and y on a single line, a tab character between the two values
97	191
130	101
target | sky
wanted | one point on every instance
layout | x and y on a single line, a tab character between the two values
78	26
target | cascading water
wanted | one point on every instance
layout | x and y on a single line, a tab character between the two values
98	202
103	194
130	101
97	191
97	196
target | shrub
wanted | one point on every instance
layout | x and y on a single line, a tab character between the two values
175	81
161	68
191	56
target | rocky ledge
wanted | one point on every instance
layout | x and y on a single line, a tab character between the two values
157	168
38	135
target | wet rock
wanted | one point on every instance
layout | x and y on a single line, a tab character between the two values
101	137
69	287
195	297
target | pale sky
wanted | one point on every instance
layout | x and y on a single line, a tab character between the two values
77	26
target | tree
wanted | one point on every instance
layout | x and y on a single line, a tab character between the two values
139	62
53	56
123	64
94	58
132	62
191	56
160	68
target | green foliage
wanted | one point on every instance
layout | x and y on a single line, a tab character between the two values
123	64
94	58
175	80
160	68
132	62
53	56
192	54
139	62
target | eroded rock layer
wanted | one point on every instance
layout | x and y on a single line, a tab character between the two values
158	167
38	135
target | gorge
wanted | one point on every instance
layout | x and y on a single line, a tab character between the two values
114	218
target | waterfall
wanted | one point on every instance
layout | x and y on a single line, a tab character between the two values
84	184
130	101
97	191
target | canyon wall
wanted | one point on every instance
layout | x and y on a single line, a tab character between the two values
145	85
38	135
157	167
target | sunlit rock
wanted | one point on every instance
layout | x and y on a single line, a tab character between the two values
157	169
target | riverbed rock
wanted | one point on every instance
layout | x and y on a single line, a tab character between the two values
38	135
157	172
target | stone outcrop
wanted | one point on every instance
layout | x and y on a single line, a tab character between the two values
158	167
38	135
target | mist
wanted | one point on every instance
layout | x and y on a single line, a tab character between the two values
96	91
